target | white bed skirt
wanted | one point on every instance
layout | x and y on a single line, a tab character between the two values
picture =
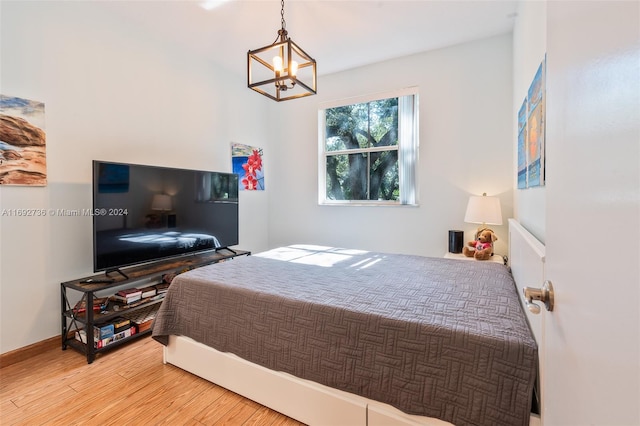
303	400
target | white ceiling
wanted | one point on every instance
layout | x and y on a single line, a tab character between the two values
338	34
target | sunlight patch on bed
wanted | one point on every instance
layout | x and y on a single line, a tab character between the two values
322	259
286	254
365	263
311	254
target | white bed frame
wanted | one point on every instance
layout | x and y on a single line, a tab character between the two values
303	400
316	404
527	258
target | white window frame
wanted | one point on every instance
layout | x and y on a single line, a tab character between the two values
408	148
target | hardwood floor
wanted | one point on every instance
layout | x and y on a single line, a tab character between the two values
129	385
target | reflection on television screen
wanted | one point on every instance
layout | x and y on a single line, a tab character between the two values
153	213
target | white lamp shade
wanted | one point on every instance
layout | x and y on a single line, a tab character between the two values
483	209
161	202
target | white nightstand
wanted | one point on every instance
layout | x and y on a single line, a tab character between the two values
495	258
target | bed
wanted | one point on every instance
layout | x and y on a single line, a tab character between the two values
340	336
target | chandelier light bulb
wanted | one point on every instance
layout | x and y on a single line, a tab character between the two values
294	69
277	63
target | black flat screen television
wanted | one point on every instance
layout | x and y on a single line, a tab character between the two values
146	213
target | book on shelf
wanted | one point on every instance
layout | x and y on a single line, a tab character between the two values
158	296
128	296
122	305
163	287
103	331
120	324
99	305
125	300
81	335
108	329
130	292
148	292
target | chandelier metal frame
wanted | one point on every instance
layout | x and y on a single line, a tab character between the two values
280	78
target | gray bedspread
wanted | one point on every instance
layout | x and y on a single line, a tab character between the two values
435	337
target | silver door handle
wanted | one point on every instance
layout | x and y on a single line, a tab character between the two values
544	294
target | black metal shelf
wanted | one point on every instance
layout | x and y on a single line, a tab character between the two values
111	311
145	275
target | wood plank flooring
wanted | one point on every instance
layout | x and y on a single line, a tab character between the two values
128	385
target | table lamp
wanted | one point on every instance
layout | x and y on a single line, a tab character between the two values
162	203
483	210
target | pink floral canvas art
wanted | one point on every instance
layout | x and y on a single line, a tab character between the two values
247	164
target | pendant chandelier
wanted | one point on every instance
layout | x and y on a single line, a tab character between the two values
281	70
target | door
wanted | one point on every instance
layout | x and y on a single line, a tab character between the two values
591	354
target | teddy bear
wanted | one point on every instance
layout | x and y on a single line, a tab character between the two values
482	247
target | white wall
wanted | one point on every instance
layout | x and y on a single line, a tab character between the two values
466	148
110	93
529	48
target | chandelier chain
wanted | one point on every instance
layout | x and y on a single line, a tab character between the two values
284	24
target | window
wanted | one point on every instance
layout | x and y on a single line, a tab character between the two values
369	150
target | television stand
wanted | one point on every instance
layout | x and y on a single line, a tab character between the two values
98	322
228	249
118	270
